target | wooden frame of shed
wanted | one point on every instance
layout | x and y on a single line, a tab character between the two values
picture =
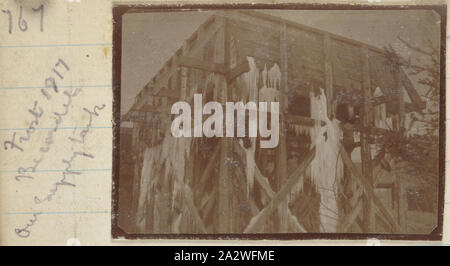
309	58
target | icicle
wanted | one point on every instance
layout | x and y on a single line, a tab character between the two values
271	81
264	76
274	77
326	167
409	124
249	163
251	79
174	153
147	183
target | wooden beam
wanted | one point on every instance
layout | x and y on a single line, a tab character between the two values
224	202
225	217
368	190
372	130
187	196
303	120
402	203
385	185
412	92
367	172
183	75
206	205
209	166
374	101
410	107
381	220
297	176
293	222
351	217
401	78
328	71
192	62
281	163
265	185
187	225
284	56
135	196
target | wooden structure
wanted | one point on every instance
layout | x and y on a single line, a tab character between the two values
212	196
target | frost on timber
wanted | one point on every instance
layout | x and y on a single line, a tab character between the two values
171	154
326	167
269	92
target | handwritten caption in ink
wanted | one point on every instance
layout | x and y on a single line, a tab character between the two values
19	142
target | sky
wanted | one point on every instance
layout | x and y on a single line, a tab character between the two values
150	39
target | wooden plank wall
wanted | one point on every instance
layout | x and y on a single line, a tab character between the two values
306	59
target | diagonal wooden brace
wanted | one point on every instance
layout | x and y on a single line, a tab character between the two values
351	217
187	195
259	220
265	185
206	173
368	190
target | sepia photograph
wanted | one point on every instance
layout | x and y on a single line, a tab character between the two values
293	123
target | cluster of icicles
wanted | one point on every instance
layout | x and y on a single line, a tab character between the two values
269	92
326	169
171	154
256	85
300	130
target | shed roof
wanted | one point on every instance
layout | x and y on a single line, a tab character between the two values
346	76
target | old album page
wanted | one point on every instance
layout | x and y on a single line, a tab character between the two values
208	123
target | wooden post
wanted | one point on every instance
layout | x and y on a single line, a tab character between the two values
281	163
400	126
402	203
136	175
224	203
225	215
368	210
328	74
